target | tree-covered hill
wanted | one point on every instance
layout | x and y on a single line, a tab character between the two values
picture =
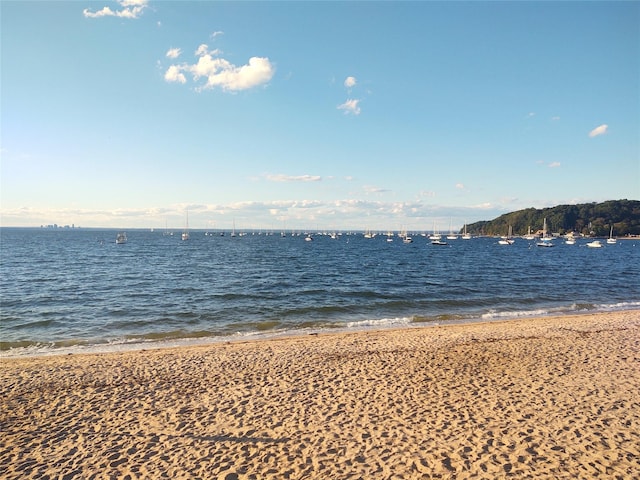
593	219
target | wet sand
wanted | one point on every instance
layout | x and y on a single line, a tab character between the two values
536	398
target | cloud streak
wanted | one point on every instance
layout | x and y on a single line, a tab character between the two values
293	178
372	189
173	53
599	130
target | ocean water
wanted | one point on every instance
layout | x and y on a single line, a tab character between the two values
76	290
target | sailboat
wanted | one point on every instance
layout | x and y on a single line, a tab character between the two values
611	240
185	233
451	236
545	241
465	235
435	235
167	232
529	235
508	240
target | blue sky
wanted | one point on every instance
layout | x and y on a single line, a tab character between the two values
305	115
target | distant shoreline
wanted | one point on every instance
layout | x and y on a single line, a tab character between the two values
276	231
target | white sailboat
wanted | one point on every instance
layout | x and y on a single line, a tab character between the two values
545	241
529	235
167	232
508	240
611	240
185	233
465	235
435	235
451	236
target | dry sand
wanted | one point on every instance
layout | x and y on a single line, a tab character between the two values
537	398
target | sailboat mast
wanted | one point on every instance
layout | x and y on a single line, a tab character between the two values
185	234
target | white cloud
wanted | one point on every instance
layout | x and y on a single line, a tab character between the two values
173	53
554	164
203	49
217	34
218	72
600	130
345	213
460	186
483	206
350	106
293	178
173	74
130	9
350	82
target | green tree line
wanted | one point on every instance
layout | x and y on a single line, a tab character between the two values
591	219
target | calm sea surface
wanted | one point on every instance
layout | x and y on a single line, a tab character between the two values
76	289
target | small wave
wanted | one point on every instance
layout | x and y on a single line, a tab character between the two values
493	314
596	307
379	323
122	344
620	306
25	349
568	309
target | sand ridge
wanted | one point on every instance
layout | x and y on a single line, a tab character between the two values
536	398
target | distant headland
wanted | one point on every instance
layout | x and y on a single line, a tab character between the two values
588	219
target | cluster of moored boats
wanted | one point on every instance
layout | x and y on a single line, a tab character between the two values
436	238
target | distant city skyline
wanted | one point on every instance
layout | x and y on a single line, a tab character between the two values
314	115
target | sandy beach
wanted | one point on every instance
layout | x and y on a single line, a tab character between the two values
535	398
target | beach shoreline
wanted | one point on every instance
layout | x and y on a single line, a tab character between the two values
547	397
158	342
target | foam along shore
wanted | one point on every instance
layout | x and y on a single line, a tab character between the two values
536	398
